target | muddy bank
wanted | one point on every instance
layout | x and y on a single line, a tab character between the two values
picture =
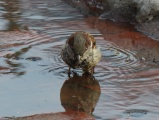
144	14
55	116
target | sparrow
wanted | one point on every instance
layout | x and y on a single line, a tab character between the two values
81	51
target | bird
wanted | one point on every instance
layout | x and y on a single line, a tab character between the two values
81	51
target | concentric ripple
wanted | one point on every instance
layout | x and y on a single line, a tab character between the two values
117	61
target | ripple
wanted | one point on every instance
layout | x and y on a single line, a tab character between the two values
117	61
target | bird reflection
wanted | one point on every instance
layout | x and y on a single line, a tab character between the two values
80	93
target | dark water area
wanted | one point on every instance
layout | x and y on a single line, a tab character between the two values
33	77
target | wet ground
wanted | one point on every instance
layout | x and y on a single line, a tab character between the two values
33	77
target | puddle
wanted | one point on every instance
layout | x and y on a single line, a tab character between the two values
33	75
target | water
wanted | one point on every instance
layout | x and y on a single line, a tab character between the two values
33	75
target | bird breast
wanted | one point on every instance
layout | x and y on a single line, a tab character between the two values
80	51
90	58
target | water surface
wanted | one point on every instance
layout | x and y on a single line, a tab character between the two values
33	73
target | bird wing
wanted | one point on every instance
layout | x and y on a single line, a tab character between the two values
70	52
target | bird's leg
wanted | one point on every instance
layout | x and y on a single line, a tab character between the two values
92	70
69	72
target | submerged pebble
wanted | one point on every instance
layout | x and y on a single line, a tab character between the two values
136	112
33	58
